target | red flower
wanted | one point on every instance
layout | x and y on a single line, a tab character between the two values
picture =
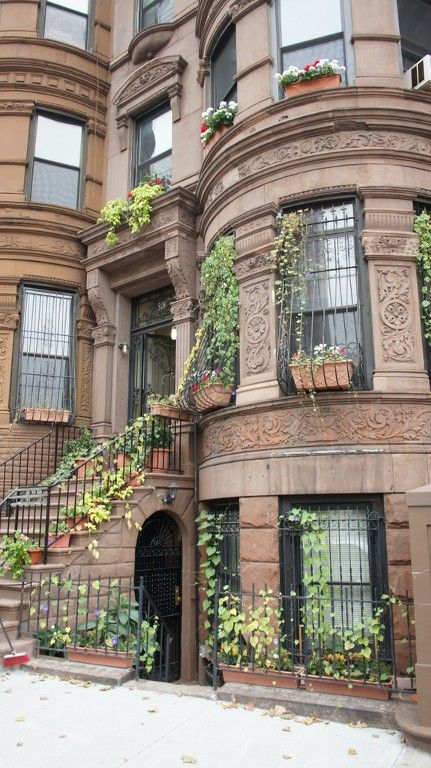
158	180
315	63
306	68
204	128
205	377
129	194
195	387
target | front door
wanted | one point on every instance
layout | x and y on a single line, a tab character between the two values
158	561
152	368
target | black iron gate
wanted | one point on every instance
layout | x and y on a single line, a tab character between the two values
158	561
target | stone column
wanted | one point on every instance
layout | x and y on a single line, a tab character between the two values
375	38
102	300
8	322
417	724
257	314
390	248
258	517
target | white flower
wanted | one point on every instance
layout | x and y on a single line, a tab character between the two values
222	104
233	105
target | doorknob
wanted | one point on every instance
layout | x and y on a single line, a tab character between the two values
177	596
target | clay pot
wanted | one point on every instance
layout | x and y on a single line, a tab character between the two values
330	375
316	84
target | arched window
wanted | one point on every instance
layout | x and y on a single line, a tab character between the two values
223	68
415	30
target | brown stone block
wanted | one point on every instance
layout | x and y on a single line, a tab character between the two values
259	512
398	545
259	545
260	575
400	580
396	512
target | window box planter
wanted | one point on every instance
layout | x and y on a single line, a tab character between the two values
106	657
271	677
214	139
345	687
170	412
158	460
315	84
50	415
332	375
212	396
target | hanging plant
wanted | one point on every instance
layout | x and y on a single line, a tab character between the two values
136	210
422	227
209	538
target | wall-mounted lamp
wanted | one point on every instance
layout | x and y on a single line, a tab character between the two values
124	348
173	333
171	494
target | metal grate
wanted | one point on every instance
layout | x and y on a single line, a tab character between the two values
227	523
46	364
320	303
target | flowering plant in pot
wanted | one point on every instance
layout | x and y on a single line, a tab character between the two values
211	388
322	73
167	406
214	121
327	367
19	551
136	210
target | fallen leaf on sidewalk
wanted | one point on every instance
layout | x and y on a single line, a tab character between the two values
8	690
106	688
62	736
188	759
20	719
249	706
43	698
358	724
351	751
154	710
276	711
287	757
376	736
308	720
230	705
288	716
145	697
287	728
19	743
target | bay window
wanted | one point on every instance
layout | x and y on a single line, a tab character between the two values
66	21
312	33
55	170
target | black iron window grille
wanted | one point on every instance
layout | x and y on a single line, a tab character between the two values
66	21
151	12
223	68
320	302
415	24
318	34
226	523
153	145
349	550
46	360
55	171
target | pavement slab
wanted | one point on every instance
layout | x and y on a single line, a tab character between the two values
47	723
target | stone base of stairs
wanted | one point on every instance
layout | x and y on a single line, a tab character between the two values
67	670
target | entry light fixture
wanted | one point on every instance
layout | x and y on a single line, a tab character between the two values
171	494
124	347
173	333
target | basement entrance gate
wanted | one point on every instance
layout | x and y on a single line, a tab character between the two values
158	560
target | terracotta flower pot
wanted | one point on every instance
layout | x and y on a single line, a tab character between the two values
158	460
122	460
344	687
212	396
315	84
85	467
105	657
214	139
36	556
330	375
61	541
270	677
170	412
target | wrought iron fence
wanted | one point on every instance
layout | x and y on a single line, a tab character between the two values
152	444
226	523
256	632
212	378
320	306
112	622
37	461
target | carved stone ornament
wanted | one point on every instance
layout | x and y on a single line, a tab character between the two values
256	312
104	334
239	7
97	304
246	268
394	289
390	245
16	107
86	379
8	320
181	271
3	369
343	424
151	80
184	309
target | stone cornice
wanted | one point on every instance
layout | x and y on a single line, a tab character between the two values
44	42
365	418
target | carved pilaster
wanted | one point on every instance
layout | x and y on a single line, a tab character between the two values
102	300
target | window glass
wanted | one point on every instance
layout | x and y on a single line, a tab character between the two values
320	20
154	145
67	21
223	69
415	30
154	12
45	364
328	49
56	164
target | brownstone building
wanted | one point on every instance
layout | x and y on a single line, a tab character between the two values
355	157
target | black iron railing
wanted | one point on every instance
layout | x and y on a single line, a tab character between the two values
106	621
150	445
374	645
37	461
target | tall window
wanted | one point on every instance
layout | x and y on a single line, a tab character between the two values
152	12
321	302
153	147
46	349
315	32
415	30
67	21
56	165
223	68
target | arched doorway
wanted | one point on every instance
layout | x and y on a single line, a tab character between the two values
158	561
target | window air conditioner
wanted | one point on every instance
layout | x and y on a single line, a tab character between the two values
419	76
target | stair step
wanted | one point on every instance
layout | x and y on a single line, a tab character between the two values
23	645
11	588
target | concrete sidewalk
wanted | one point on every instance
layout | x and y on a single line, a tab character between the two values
51	723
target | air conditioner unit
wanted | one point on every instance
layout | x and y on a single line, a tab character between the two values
419	76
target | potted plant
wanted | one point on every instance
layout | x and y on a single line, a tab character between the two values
328	367
211	390
60	531
136	211
44	413
319	75
159	441
348	674
216	121
168	407
18	552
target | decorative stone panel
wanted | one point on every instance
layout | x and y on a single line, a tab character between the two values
395	310
257	328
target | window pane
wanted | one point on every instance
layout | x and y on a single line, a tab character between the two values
155	136
223	69
415	29
155	12
162	167
65	26
54	184
58	141
316	20
81	6
331	49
